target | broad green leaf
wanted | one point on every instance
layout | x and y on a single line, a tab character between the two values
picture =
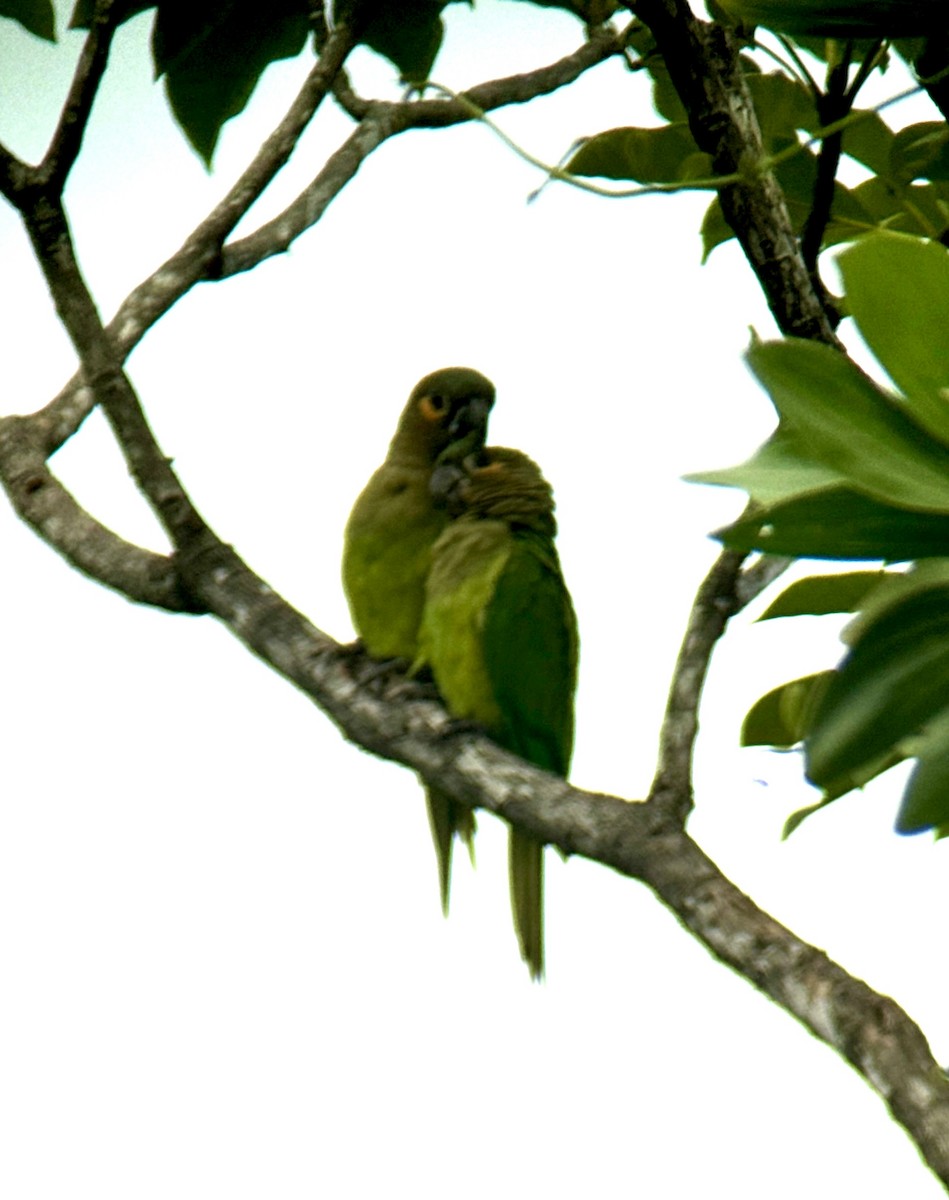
920	152
796	819
818	595
783	105
920	209
666	154
893	588
212	56
665	98
869	140
781	717
925	802
847	783
898	293
715	229
408	34
840	524
894	681
851	426
36	16
779	469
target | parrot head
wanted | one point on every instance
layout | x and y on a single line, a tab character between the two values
446	415
495	483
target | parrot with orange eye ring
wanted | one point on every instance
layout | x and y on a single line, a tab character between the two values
389	537
499	634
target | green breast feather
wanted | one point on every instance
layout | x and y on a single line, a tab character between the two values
500	633
388	547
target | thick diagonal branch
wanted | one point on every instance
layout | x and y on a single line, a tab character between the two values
50	236
47	507
638	840
702	61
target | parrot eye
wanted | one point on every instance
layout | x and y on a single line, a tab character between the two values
434	406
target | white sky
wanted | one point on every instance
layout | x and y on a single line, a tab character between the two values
225	972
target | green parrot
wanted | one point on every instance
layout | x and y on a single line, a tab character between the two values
500	636
389	536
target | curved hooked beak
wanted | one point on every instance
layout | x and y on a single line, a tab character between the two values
471	418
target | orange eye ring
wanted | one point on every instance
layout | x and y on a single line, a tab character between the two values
433	408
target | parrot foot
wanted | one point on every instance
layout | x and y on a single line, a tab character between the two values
414	689
458	726
383	668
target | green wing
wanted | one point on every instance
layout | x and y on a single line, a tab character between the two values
530	654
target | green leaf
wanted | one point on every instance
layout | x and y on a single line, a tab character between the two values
783	105
840	524
36	16
925	802
920	209
409	34
781	717
665	98
212	56
798	818
894	681
666	154
851	426
896	586
898	293
869	140
715	229
846	783
778	469
818	595
920	151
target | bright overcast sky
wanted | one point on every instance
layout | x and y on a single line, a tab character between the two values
225	968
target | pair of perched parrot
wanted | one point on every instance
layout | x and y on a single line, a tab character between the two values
449	563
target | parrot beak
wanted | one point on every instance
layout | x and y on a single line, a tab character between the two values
471	417
467	431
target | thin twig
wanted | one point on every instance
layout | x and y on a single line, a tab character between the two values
203	254
715	603
832	105
67	139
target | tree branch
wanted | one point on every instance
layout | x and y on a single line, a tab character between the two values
47	507
835	103
67	139
49	234
203	255
715	604
702	60
383	120
725	591
389	718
